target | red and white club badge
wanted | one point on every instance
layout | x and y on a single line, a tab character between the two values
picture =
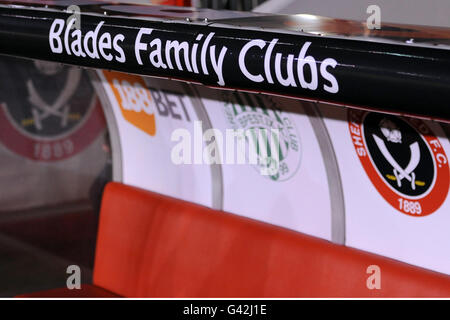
403	159
47	112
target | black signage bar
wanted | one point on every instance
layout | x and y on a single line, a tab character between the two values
389	77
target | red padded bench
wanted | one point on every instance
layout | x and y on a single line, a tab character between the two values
151	245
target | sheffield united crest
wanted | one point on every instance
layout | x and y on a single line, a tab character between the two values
404	160
48	112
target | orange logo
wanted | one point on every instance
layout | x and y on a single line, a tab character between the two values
134	100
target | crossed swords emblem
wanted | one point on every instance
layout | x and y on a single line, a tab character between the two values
400	173
60	108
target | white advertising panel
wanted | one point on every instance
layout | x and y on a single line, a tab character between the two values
395	176
288	189
147	113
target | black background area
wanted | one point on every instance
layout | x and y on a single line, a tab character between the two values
400	152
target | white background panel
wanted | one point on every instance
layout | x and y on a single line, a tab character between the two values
372	224
299	202
146	159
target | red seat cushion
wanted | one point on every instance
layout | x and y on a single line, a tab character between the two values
151	245
86	291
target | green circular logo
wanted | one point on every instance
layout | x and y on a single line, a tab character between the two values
269	133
